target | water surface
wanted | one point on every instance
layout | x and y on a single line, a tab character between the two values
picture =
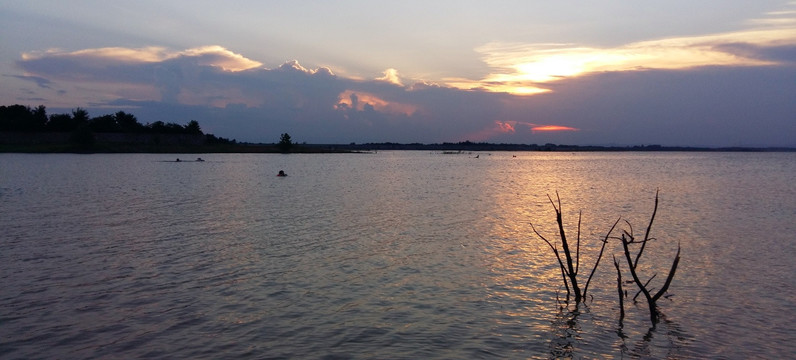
391	255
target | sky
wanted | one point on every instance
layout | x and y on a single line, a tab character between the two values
712	73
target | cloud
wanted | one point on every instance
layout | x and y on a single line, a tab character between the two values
39	81
784	54
214	55
141	65
360	101
552	128
233	98
513	129
391	76
527	69
708	106
504	126
218	56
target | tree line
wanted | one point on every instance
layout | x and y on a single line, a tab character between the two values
20	118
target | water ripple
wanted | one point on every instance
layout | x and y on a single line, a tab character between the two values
397	255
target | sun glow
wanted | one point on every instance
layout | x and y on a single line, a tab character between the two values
552	128
523	69
495	85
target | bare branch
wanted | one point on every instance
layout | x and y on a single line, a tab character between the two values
630	234
558	257
577	246
559	202
553	203
645	285
619	289
671	275
627	238
563	275
568	269
649	227
573	279
602	249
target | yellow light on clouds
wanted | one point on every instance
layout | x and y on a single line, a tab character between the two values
216	56
522	69
391	76
508	86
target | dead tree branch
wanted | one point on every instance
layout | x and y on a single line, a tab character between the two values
627	240
619	290
569	265
600	256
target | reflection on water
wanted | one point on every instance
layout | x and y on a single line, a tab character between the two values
388	255
565	332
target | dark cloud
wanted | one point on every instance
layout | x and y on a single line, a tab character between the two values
782	54
40	81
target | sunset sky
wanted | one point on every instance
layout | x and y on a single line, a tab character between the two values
675	72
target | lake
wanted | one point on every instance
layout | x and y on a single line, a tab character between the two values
390	255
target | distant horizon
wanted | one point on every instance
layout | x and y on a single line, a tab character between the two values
507	146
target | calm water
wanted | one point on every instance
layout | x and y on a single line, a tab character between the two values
394	255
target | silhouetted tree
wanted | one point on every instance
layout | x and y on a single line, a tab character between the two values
172	128
212	139
285	144
14	117
104	124
80	116
127	122
193	128
22	118
160	127
61	123
40	117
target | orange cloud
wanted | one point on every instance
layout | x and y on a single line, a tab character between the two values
505	127
356	100
552	128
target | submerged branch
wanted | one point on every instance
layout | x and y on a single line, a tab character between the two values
649	228
599	256
577	247
620	291
573	274
645	285
569	271
670	277
558	257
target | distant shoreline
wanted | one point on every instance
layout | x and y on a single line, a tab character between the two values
100	147
470	146
30	130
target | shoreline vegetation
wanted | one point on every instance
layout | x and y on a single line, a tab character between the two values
30	130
